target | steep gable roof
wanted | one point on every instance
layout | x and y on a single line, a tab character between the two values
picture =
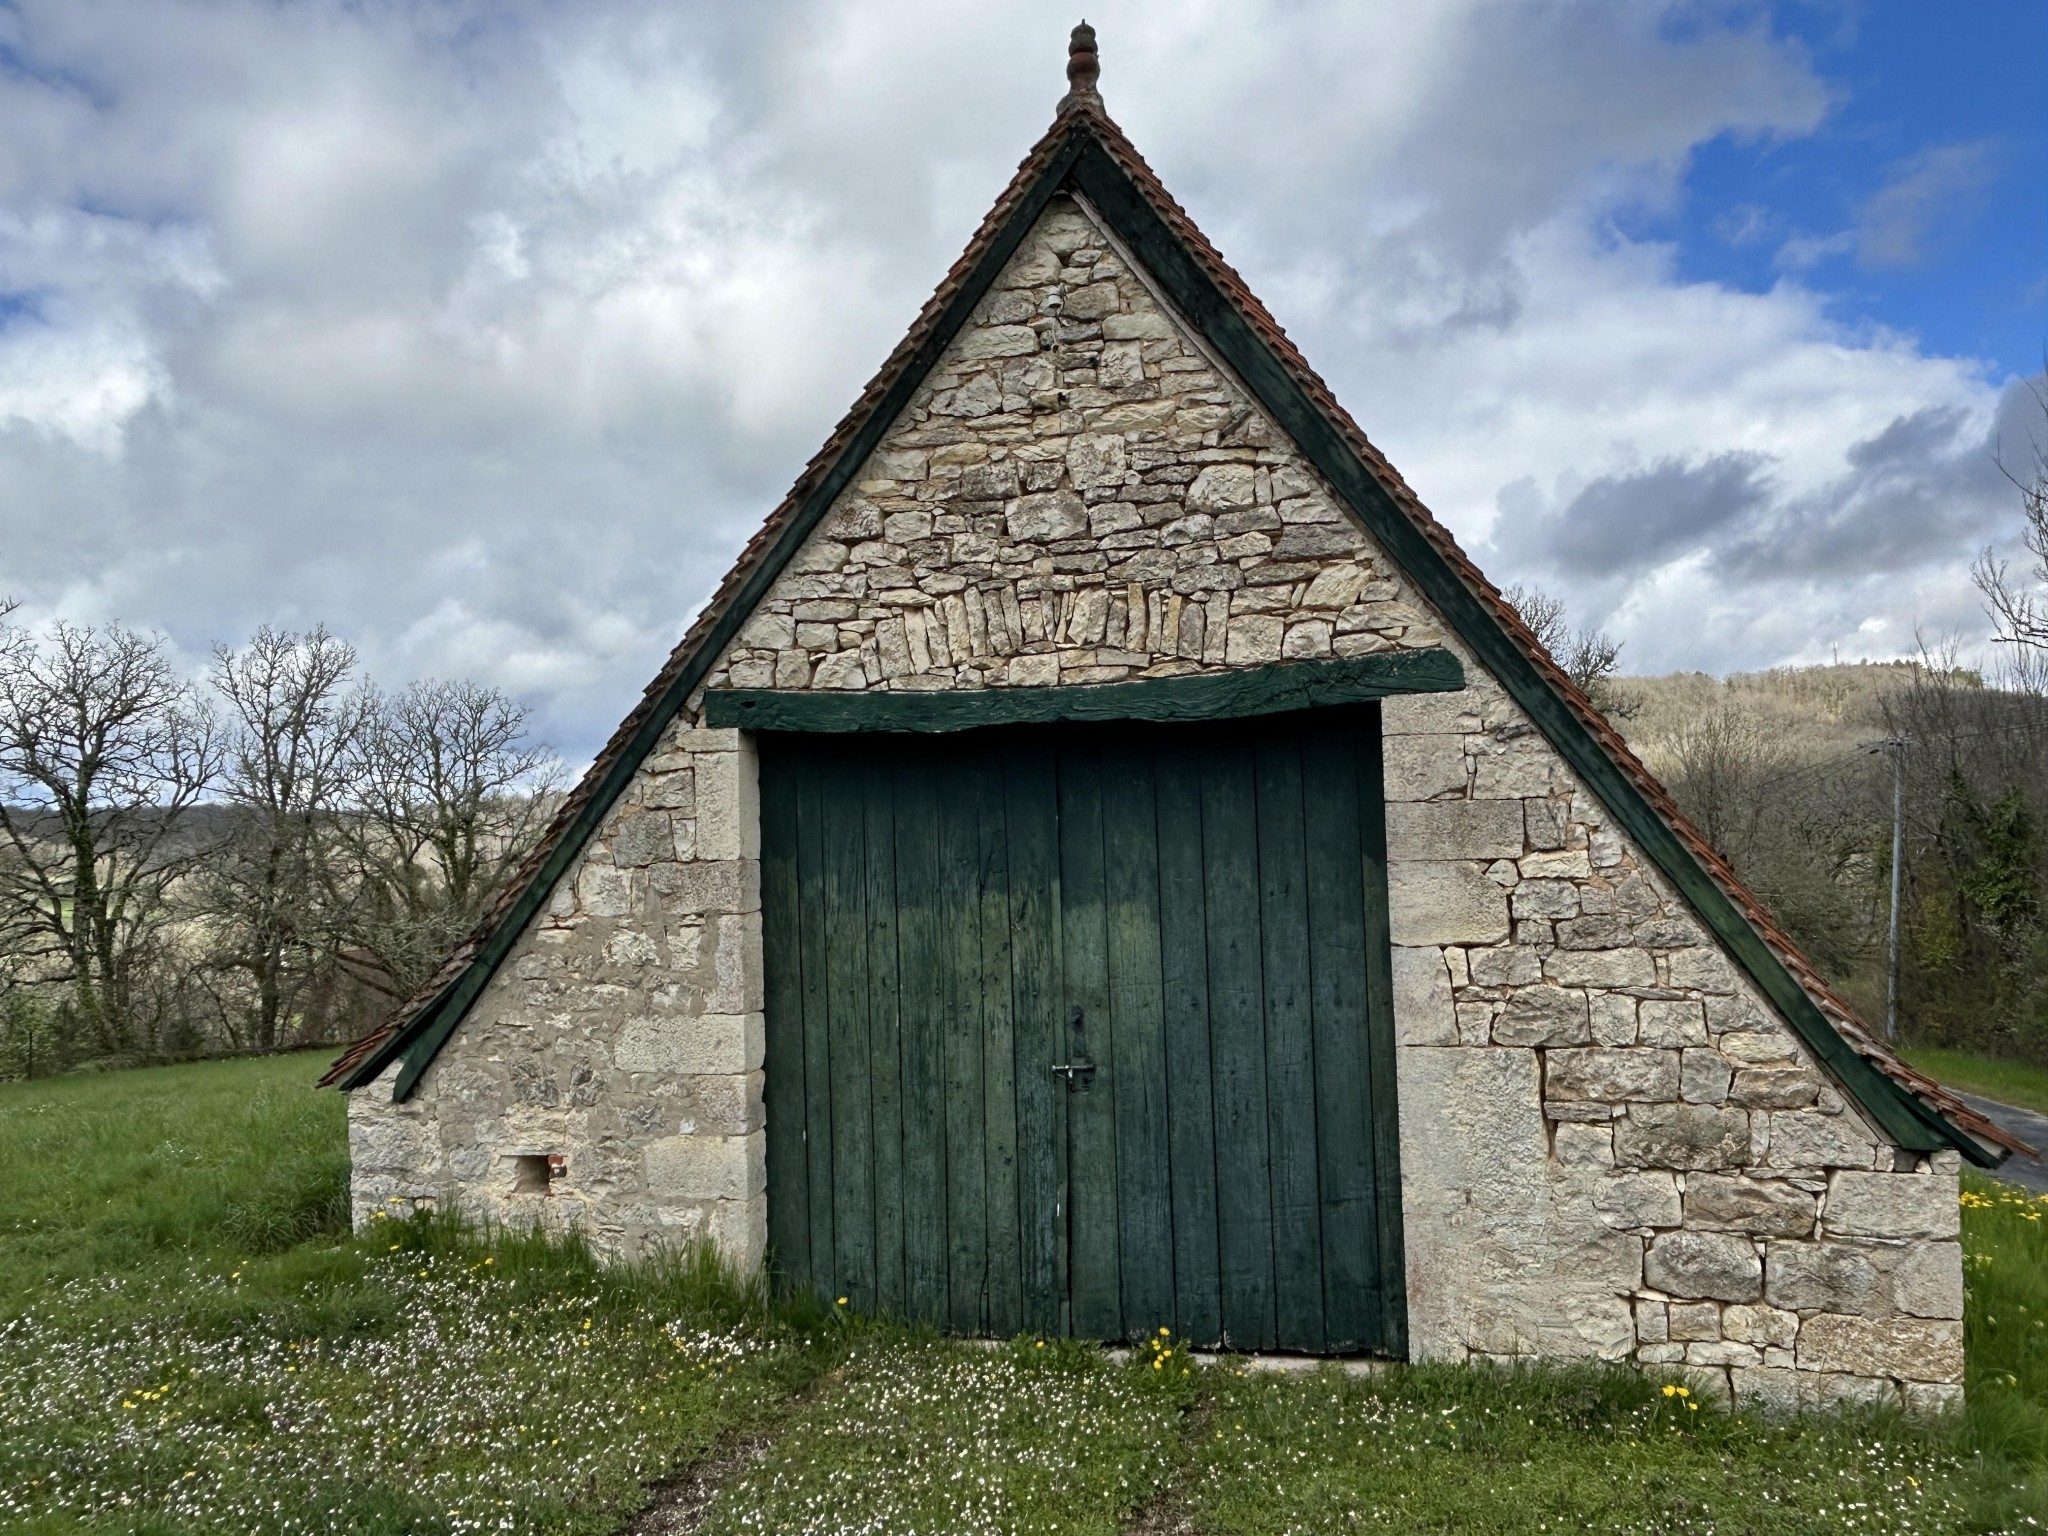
1086	154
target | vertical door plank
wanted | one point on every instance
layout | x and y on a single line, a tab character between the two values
920	1006
1031	817
998	1046
843	834
789	1200
1343	1100
1290	1044
1137	1035
1379	1026
1094	1287
1237	1043
885	1061
810	858
959	919
1184	983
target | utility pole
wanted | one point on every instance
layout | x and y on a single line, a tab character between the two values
1895	748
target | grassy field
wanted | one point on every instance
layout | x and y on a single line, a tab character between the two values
190	1341
2013	1082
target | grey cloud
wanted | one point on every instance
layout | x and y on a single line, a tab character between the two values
1899	226
1621	524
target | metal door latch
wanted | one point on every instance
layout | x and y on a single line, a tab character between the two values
1080	1070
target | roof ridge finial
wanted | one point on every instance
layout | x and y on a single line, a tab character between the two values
1084	68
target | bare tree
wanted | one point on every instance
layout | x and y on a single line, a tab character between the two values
447	795
1589	657
294	726
2019	604
103	749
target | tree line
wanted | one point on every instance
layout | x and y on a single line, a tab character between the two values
270	855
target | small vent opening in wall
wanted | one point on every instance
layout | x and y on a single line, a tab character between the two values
534	1172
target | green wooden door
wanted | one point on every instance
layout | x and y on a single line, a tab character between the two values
1201	909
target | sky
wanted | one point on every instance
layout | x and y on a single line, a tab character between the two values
485	331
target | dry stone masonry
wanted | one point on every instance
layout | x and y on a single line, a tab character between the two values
1611	1145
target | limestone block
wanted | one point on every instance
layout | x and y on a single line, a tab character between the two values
1722	1352
1543	1016
1702	969
687	1046
1684	1136
381	1139
739	1230
1222	488
1431	714
1423	1011
728	804
1653	1325
1611	1075
1719	1266
1505	965
1425	767
1767	1207
987	341
1614	1018
1910	1348
1709	1383
768	631
1585	1146
1521	772
704	887
1603	968
708	1167
1808	1139
1808	1277
1694	1322
725	1104
602	891
1504	1256
1929	1400
1563	864
1892	1205
735	964
1254	637
1760	1325
1929	1280
1759	1047
1634	1199
1542	899
1773	1389
1094	460
1454	829
1662	1021
1705	1076
842	671
1445	903
1775	1087
1034	671
1142	327
1045	516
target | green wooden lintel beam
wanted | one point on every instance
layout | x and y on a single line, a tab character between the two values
1268	690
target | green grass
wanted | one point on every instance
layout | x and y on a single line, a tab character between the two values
2011	1082
930	1435
191	1342
1453	1449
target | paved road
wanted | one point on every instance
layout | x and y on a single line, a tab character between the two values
2030	1127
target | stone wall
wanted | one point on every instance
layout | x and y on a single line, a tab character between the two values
1612	1147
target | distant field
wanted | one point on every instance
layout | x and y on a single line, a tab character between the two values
190	1342
2012	1082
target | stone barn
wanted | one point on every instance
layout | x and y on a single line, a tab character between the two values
1105	860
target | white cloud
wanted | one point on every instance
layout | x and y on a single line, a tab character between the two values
485	332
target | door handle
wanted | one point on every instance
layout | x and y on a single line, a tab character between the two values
1079	1069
